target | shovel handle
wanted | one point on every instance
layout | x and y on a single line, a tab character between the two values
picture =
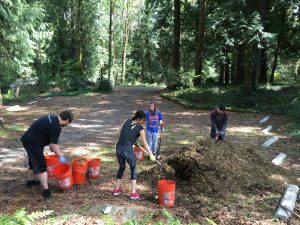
147	153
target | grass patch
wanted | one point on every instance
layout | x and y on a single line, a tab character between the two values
5	132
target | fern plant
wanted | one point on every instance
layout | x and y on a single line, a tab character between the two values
20	217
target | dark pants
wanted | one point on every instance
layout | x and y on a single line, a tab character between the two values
213	132
125	154
36	159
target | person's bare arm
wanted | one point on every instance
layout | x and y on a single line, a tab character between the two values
55	149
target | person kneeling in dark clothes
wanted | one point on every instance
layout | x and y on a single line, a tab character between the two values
44	131
219	118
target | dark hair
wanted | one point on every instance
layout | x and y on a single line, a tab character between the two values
66	115
222	107
139	115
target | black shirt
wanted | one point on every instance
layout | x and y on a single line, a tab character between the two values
129	133
43	131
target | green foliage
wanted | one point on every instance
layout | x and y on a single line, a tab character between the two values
104	85
266	99
20	217
293	113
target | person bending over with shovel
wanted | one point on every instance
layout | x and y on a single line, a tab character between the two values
44	131
154	121
131	130
219	118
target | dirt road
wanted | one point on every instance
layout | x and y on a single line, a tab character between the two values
93	133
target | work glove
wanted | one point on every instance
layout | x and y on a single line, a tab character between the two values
152	157
162	129
62	159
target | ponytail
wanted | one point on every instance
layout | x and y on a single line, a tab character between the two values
139	115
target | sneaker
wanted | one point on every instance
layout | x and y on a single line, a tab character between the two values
135	195
158	157
47	194
116	192
31	183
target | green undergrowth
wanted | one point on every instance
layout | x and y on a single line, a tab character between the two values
283	100
21	217
8	129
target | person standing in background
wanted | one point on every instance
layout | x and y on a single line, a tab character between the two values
154	122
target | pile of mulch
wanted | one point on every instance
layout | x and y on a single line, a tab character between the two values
216	168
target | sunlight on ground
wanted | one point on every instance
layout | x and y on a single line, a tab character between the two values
184	142
244	129
84	126
17	108
277	177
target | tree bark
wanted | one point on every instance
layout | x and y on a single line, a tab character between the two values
240	73
111	41
247	84
176	45
125	40
227	70
200	44
1	101
274	66
263	67
221	75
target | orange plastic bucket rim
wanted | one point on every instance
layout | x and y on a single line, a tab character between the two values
63	176
93	170
94	161
62	170
166	192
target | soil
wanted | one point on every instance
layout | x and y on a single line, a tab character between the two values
228	182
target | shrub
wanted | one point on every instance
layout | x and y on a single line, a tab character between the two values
104	85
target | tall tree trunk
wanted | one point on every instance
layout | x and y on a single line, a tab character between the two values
125	39
176	45
227	71
263	67
1	101
221	75
79	38
247	83
200	44
111	42
240	73
233	68
274	66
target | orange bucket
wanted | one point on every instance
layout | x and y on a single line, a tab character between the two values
138	153
93	170
79	167
166	192
51	161
63	175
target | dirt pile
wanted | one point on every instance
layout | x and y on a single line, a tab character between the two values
218	168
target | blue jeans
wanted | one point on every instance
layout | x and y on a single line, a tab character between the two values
152	138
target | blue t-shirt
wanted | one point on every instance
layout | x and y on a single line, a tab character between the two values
43	131
153	121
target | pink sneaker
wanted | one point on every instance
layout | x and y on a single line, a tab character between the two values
135	195
116	192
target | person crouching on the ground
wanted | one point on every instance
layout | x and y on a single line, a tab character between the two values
154	120
131	130
44	131
219	118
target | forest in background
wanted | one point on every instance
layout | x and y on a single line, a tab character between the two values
244	45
